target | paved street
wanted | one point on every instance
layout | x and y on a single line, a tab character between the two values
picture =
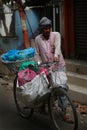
10	120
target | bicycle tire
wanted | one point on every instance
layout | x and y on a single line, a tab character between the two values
56	111
23	111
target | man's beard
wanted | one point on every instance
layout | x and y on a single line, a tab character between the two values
46	35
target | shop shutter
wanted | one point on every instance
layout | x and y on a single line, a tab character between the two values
81	29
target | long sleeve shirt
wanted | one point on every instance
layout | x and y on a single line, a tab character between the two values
48	49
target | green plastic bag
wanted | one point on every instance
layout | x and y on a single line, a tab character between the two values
31	64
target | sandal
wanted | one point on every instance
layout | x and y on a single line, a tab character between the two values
83	109
67	118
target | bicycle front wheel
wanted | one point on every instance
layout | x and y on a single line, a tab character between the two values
23	109
58	108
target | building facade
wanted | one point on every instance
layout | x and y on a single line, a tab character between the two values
69	17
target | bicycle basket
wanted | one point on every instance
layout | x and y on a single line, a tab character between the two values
14	65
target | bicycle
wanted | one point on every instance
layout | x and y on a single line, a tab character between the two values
53	100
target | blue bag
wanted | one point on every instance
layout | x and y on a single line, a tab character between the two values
10	55
14	55
25	54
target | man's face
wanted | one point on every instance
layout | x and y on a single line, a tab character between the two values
46	32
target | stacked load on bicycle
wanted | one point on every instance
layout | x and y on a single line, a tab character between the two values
31	82
15	57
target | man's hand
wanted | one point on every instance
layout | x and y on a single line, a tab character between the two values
56	58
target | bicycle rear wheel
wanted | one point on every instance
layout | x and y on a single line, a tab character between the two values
57	112
23	110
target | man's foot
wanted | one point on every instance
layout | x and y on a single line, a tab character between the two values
67	118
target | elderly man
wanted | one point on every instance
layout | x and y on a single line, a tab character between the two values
48	46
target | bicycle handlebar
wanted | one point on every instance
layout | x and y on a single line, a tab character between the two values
47	64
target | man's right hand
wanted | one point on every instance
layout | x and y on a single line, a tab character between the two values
56	58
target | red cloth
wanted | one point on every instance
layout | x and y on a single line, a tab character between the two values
43	70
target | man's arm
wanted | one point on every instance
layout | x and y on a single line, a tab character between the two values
57	45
